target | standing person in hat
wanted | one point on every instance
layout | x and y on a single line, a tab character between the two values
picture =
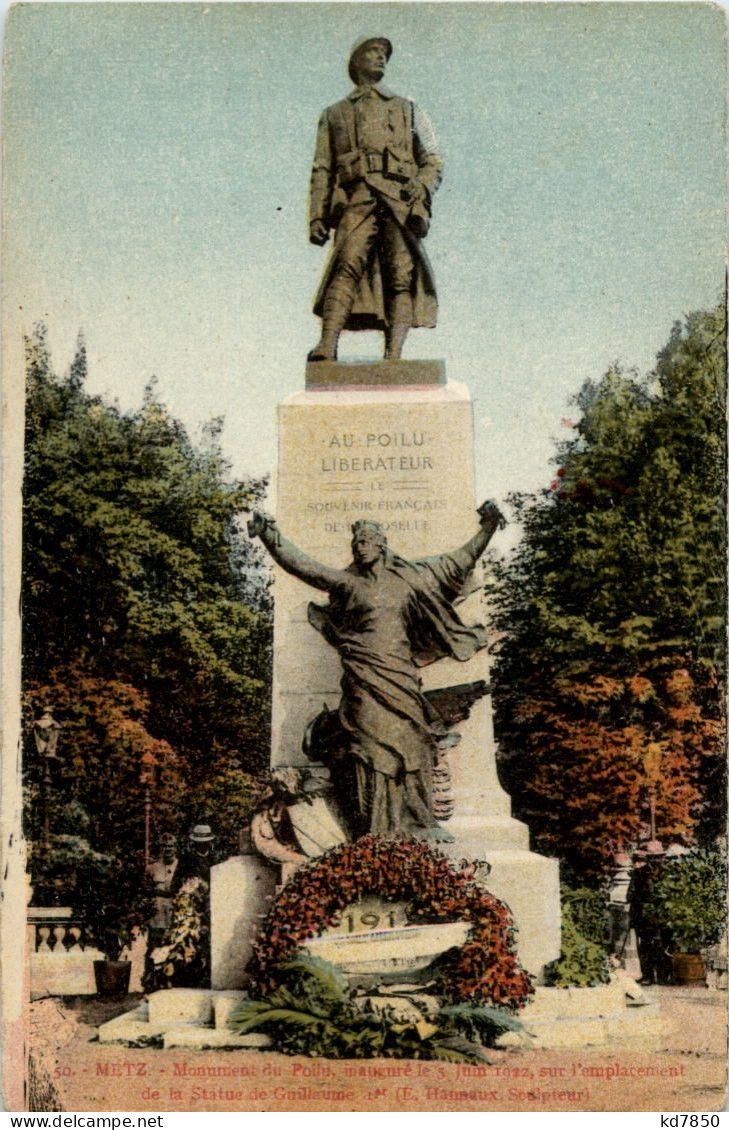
181	957
375	170
199	857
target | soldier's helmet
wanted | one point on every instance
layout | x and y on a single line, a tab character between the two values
359	45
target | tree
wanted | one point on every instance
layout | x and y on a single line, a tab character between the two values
98	786
608	682
146	614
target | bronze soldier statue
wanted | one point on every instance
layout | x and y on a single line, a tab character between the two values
375	170
387	617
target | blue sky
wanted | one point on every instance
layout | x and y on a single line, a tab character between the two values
156	172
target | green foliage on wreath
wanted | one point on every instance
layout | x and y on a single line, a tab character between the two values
311	1012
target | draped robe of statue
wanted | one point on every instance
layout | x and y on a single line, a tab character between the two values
385	624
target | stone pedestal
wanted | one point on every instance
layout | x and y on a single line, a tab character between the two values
403	457
336	375
240	891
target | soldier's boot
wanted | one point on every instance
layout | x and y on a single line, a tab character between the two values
399	322
334	318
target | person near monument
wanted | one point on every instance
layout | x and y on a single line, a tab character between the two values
387	617
162	873
652	940
375	170
199	856
181	956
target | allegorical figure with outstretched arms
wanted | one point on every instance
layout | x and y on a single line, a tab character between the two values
387	617
375	170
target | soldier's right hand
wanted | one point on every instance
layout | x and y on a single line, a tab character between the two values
318	232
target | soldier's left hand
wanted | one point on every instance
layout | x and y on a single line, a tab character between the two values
412	191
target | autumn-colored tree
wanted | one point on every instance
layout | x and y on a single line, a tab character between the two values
106	751
146	612
608	682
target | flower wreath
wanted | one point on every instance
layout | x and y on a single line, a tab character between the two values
485	970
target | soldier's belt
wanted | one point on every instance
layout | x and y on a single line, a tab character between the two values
355	166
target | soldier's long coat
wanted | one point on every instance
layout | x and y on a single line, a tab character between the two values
329	202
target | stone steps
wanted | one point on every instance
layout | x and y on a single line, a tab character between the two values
183	1018
618	1014
641	1026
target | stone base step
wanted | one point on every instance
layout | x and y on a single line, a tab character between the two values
640	1027
170	1013
131	1028
596	1001
181	1006
619	1013
201	1038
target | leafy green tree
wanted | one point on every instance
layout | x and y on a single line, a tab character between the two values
146	613
607	686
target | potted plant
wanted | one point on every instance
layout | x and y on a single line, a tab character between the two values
688	900
112	902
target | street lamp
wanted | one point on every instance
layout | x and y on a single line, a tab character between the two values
652	767
146	778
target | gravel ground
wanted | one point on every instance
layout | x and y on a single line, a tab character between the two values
687	1074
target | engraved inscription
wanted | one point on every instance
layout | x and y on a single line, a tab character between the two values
370	913
389	475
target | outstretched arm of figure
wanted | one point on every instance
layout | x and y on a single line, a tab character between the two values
286	554
491	519
451	568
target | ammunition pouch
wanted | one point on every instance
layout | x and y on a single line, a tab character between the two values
398	168
359	164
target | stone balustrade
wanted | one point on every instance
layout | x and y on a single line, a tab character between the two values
60	957
55	929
